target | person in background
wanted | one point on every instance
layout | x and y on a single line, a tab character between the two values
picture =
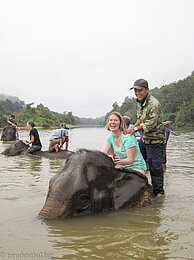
129	126
11	121
58	138
167	134
34	138
126	149
150	125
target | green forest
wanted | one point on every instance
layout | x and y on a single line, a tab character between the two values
177	100
40	114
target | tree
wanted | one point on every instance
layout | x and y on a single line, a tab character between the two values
3	119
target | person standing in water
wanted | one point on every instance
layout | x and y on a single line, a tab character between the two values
149	123
34	138
126	149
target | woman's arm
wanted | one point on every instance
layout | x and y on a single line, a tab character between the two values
130	157
31	139
105	148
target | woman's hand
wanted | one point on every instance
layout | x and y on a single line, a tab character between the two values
117	160
130	157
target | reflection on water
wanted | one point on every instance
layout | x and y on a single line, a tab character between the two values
128	233
56	165
165	230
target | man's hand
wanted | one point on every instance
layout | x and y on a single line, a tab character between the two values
131	131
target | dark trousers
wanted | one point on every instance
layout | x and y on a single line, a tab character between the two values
34	148
152	153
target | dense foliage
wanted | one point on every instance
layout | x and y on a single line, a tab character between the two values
177	100
42	116
89	121
2	116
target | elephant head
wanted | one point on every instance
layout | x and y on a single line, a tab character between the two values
19	147
90	184
8	133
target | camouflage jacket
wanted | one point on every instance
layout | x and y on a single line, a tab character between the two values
150	118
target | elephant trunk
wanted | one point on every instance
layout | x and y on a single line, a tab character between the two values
52	209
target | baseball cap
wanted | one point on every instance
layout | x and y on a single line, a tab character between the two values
140	84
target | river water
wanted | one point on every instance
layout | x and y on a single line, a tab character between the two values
164	230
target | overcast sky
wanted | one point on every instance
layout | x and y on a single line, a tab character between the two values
83	55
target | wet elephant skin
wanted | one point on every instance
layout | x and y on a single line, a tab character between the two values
20	148
8	133
90	184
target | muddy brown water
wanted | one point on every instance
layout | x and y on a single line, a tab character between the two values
164	230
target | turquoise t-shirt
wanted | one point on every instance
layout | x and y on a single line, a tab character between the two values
128	141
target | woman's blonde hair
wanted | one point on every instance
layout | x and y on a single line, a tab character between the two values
31	123
122	126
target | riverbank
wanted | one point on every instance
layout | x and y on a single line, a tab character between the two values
22	127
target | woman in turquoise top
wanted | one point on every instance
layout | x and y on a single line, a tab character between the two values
125	147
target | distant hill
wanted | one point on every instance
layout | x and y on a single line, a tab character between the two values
13	99
154	91
40	114
89	121
11	104
177	100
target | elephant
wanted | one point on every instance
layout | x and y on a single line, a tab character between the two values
9	133
90	184
20	148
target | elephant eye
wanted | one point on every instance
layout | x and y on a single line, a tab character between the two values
83	202
83	198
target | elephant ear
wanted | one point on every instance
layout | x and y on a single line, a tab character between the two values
100	174
130	188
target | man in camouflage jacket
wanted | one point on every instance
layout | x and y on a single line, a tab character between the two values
149	123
